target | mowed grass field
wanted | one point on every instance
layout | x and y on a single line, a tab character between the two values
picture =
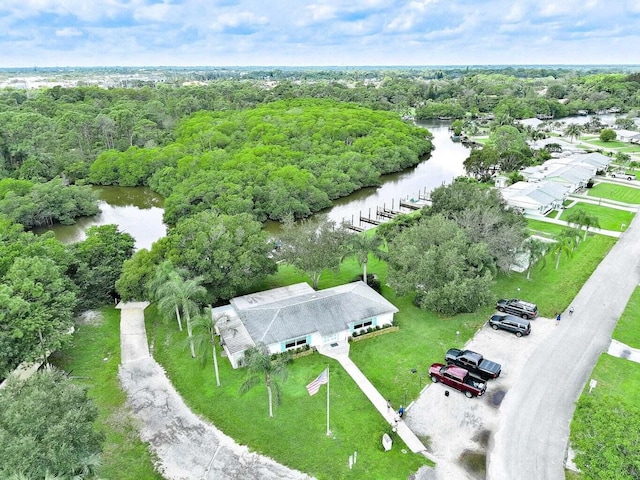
609	218
619	193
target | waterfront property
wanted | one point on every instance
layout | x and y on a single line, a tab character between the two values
297	316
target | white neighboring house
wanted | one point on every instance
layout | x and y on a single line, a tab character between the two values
596	160
291	317
567	147
537	198
573	177
628	136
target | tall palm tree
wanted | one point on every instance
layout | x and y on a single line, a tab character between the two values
260	366
564	245
168	303
536	250
360	246
188	291
581	218
205	326
572	131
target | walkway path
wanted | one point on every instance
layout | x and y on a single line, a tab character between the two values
533	431
186	446
340	352
619	349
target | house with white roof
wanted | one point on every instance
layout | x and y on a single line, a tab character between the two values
295	316
537	198
573	177
566	147
628	136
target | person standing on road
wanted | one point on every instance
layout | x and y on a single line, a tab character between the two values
557	319
571	310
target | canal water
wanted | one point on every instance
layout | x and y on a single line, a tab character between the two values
138	210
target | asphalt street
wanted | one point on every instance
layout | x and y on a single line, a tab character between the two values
532	435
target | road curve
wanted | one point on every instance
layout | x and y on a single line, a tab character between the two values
531	439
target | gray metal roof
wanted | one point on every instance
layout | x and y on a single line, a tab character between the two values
298	310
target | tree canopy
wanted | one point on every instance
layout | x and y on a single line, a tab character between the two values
46	427
283	157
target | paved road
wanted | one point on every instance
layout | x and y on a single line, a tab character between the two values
532	436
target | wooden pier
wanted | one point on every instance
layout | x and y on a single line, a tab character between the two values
383	214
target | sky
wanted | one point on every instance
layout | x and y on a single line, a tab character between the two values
50	33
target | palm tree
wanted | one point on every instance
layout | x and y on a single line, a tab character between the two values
205	325
168	304
536	249
581	218
188	291
360	246
572	131
260	365
564	244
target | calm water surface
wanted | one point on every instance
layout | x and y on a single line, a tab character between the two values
136	210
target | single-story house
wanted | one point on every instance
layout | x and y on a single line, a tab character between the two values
567	147
573	177
628	136
594	162
537	198
291	317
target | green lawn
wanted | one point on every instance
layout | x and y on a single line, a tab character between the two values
633	149
93	362
612	144
296	436
628	328
609	218
544	229
619	193
606	421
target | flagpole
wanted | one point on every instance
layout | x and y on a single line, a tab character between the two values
328	431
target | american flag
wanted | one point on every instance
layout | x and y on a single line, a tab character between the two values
314	386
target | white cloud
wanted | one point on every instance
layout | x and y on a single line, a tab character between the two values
69	32
238	20
410	15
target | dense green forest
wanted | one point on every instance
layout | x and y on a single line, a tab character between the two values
291	156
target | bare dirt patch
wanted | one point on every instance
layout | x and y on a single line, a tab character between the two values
90	317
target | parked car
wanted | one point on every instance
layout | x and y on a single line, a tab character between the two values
511	323
474	362
458	378
521	308
627	175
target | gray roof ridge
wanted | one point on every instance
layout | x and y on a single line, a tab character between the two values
266	330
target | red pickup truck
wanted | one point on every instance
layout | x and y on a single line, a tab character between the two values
458	378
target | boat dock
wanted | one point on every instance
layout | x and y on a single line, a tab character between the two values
383	214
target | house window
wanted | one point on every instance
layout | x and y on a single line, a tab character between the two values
298	342
363	324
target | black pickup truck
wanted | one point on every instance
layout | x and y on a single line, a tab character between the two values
474	362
